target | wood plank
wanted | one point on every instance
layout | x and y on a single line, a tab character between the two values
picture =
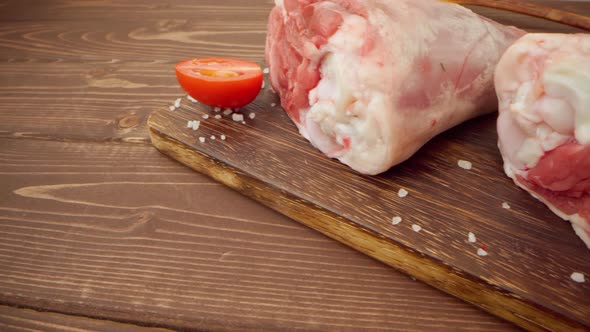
525	279
96	101
66	10
120	232
133	39
18	319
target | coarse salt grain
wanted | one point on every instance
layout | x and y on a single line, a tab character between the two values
216	109
266	70
578	277
212	137
396	220
237	117
273	104
205	116
416	228
471	237
222	137
465	164
177	102
481	252
402	193
191	99
196	124
217	116
202	139
189	124
506	206
171	107
252	115
228	111
243	122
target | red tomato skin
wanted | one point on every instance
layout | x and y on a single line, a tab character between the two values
219	91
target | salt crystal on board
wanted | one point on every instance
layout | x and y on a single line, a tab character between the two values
402	193
471	237
237	117
506	206
465	164
481	252
396	220
578	277
416	228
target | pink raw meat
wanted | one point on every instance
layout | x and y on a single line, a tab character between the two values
543	84
371	81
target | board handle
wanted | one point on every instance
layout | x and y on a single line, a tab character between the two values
523	7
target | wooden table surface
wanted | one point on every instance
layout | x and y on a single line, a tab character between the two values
99	231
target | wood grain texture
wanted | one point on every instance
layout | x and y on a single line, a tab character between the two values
525	279
97	101
112	230
119	231
555	13
135	38
15	319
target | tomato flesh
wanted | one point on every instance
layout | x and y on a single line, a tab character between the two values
220	82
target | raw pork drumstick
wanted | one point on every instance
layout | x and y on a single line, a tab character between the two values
543	85
370	81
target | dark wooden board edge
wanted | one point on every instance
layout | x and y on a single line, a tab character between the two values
433	272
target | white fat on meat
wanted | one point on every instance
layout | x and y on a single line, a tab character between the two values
567	82
548	96
543	86
342	107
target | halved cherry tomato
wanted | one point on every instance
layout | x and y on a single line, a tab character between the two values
220	82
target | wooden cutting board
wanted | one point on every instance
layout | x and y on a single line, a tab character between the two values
525	278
